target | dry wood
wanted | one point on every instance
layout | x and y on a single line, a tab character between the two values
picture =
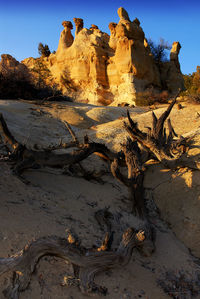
172	153
134	180
7	136
130	156
90	263
27	158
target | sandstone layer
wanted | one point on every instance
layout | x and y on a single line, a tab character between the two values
97	68
11	68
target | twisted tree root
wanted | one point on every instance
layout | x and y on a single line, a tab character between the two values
89	263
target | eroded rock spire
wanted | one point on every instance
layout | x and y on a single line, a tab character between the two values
66	38
176	46
79	24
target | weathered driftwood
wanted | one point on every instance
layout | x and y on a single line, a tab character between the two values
171	152
27	158
134	180
6	134
129	156
106	220
88	262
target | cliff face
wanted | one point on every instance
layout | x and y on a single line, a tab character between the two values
15	79
101	69
11	68
81	69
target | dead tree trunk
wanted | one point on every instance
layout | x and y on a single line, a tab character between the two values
134	180
130	156
27	158
89	263
5	132
171	152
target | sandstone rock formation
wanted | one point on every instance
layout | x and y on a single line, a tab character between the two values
79	24
11	68
131	69
15	79
97	68
174	54
171	75
66	38
112	69
93	27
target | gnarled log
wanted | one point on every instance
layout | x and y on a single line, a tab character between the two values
172	153
90	263
27	158
134	180
7	136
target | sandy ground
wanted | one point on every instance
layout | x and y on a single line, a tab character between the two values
55	202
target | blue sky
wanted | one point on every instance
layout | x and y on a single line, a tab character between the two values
23	24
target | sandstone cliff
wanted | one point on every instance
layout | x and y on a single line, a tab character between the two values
10	67
97	68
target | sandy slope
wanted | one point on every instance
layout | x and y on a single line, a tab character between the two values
55	202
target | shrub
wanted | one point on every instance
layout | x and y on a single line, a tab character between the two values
148	98
43	50
194	98
159	51
14	88
42	73
20	82
67	82
192	83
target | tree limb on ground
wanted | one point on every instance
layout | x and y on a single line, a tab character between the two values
165	148
88	263
171	152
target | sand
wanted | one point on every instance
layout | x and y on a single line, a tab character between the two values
55	202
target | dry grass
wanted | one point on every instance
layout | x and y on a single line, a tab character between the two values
148	98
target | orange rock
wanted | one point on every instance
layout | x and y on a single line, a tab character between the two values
103	69
79	24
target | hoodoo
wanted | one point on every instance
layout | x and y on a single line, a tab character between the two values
107	69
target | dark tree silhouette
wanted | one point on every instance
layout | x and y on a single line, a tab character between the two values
43	50
159	50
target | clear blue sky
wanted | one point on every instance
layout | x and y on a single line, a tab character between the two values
23	24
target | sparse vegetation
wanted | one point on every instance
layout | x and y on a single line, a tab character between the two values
67	81
192	85
159	51
148	98
13	86
42	73
43	50
21	84
192	82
